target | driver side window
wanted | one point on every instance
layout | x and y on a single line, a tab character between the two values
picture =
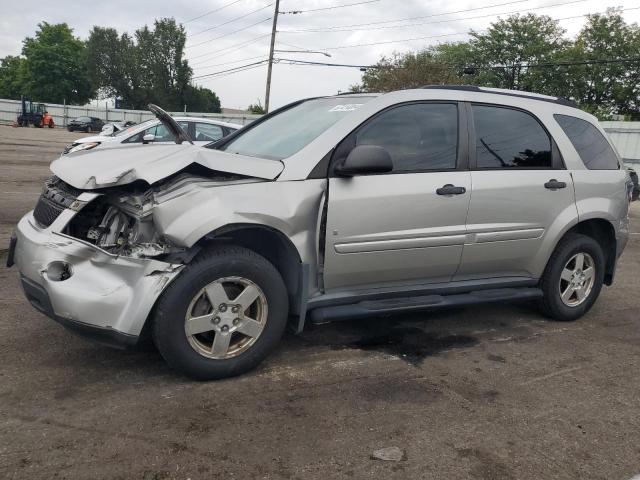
418	137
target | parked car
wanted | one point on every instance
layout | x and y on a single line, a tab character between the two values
200	130
85	124
111	128
328	208
635	191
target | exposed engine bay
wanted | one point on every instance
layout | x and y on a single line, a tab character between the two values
120	220
121	223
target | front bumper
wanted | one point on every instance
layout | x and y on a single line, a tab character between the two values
107	297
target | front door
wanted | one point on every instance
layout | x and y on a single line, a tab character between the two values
522	195
407	226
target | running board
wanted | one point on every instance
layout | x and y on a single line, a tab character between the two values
369	308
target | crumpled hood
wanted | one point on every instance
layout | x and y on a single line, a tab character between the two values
103	168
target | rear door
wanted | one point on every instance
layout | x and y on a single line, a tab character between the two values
521	194
385	229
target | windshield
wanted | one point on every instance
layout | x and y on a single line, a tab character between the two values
293	129
133	128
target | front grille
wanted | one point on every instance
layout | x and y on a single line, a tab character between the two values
56	196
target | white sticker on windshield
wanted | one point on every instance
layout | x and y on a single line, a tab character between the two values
347	107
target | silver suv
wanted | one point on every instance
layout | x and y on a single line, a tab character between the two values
328	208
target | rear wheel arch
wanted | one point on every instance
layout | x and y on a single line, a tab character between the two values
603	232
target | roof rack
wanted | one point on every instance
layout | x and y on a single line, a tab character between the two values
510	93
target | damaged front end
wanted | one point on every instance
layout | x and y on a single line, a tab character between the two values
93	261
120	221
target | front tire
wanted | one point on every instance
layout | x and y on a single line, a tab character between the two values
221	317
573	278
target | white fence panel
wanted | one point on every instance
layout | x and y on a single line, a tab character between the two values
62	114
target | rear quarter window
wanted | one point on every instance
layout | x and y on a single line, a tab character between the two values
594	150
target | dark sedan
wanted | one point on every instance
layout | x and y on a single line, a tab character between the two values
85	124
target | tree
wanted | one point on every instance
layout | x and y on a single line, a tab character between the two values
113	66
256	108
55	66
605	86
410	70
165	73
147	68
201	99
599	69
11	77
503	53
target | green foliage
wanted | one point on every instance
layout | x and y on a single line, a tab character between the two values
407	71
607	87
201	99
513	43
112	66
256	108
530	53
52	68
11	77
147	68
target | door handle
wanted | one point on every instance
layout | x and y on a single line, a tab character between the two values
449	189
554	184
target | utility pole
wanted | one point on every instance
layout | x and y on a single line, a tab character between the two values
270	65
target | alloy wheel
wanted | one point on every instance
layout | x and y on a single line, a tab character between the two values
226	317
576	279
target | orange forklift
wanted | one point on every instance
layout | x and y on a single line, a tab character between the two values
34	114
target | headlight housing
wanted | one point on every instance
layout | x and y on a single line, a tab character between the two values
81	146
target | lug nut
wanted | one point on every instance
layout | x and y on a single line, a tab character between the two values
235	309
225	328
216	320
222	307
236	321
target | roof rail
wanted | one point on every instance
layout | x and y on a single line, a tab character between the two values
509	93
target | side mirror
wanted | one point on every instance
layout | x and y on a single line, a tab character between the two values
365	159
149	137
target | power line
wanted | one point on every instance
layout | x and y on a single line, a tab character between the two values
439	21
295	12
240	68
240	60
292	61
232	47
230	33
212	11
289	61
406	18
340	47
229	21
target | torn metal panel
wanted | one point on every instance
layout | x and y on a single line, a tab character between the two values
185	214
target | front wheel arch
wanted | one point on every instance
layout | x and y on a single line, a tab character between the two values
272	244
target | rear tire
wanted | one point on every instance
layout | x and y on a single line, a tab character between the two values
194	326
573	278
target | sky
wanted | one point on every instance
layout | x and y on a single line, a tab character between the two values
237	34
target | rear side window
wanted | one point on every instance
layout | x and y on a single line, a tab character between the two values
207	132
507	138
418	137
594	150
